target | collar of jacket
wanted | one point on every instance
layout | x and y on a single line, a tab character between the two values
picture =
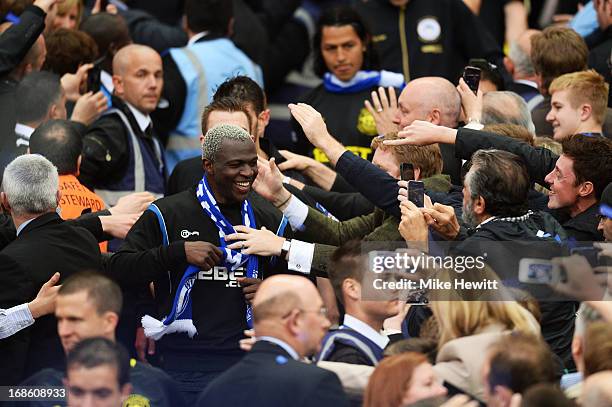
118	103
438	183
271	348
51	218
586	221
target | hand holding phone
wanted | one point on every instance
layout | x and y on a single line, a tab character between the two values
94	79
471	76
416	193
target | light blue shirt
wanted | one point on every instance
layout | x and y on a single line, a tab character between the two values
282	344
23	225
585	21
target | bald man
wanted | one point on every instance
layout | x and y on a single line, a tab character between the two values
596	391
121	154
432	98
290	322
518	64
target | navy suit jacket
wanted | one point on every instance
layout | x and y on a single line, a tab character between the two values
269	376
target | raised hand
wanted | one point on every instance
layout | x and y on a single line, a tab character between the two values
384	110
422	133
269	182
471	103
261	242
89	107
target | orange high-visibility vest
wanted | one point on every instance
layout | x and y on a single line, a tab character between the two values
75	198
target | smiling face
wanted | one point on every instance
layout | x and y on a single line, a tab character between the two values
67	19
232	173
562	184
342	51
564	118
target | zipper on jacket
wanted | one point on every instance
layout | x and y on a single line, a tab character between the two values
404	43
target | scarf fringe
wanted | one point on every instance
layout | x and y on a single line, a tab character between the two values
155	328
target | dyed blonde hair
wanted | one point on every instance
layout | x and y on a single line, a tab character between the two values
585	87
465	313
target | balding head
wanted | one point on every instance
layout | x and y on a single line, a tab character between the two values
433	99
123	58
138	76
506	107
290	308
596	390
518	62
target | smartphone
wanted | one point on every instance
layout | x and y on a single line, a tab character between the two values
539	271
416	193
94	79
406	172
471	76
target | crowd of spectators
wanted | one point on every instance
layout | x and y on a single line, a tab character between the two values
378	203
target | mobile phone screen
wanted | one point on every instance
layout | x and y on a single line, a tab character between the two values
406	172
93	79
416	193
471	76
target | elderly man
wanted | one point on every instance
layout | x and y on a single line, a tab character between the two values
120	152
44	245
290	322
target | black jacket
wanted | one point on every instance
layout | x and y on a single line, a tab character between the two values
438	37
505	244
269	376
219	307
106	149
380	188
18	39
44	246
149	384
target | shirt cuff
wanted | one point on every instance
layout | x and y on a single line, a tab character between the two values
300	256
474	126
23	315
296	213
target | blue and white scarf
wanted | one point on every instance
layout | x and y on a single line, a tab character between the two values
180	317
363	80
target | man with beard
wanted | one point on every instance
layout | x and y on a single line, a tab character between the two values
502	230
576	178
201	285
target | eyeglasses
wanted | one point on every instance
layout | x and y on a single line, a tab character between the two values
601	217
321	311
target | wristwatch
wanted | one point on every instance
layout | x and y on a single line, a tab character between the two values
285	249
